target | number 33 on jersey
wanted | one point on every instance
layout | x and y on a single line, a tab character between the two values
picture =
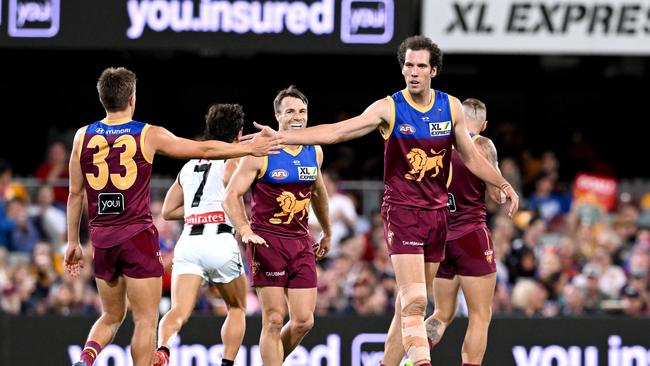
117	172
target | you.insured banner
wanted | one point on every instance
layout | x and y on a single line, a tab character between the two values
343	341
209	26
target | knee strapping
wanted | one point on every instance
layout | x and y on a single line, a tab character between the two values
414	336
414	299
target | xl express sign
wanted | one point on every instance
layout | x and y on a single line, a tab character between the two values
546	27
375	26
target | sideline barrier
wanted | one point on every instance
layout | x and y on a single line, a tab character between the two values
344	341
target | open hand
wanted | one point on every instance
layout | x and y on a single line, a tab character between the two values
249	237
74	259
266	142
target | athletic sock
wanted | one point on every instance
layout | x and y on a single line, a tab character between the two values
90	352
164	349
225	362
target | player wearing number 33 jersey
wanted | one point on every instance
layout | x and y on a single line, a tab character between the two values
117	172
118	175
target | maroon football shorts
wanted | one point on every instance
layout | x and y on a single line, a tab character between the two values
415	231
287	262
470	255
137	257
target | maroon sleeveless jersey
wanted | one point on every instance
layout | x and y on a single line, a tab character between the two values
466	199
117	176
281	195
417	152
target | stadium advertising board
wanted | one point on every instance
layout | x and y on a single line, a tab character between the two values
209	26
346	341
539	27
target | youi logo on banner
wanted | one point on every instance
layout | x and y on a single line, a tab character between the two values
33	18
367	21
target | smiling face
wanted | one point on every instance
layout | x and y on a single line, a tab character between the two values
417	71
292	114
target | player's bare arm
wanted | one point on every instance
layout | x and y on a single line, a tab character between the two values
476	162
233	201
486	147
375	116
160	140
229	169
73	260
172	208
320	204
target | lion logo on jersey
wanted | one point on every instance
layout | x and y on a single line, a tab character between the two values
421	163
290	207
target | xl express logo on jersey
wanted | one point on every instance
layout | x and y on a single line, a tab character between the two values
279	174
440	128
307	172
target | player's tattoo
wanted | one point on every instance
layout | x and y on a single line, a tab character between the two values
435	330
487	147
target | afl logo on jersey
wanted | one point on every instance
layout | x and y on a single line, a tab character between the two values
406	129
279	174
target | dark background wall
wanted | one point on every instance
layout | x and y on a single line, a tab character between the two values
47	94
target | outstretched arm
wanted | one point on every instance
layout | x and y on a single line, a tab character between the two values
73	260
476	162
233	201
172	208
320	204
159	139
485	146
375	116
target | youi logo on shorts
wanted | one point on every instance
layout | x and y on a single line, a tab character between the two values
307	172
440	128
367	21
406	129
33	18
279	174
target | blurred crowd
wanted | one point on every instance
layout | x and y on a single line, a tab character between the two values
559	256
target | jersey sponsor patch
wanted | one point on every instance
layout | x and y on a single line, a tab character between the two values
440	128
279	174
307	172
110	203
215	217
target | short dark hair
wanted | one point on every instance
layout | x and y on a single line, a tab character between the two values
417	43
291	91
223	122
115	87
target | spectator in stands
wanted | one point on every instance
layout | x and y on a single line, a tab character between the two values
528	298
634	304
547	203
521	260
342	212
24	234
572	301
594	297
54	171
49	219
